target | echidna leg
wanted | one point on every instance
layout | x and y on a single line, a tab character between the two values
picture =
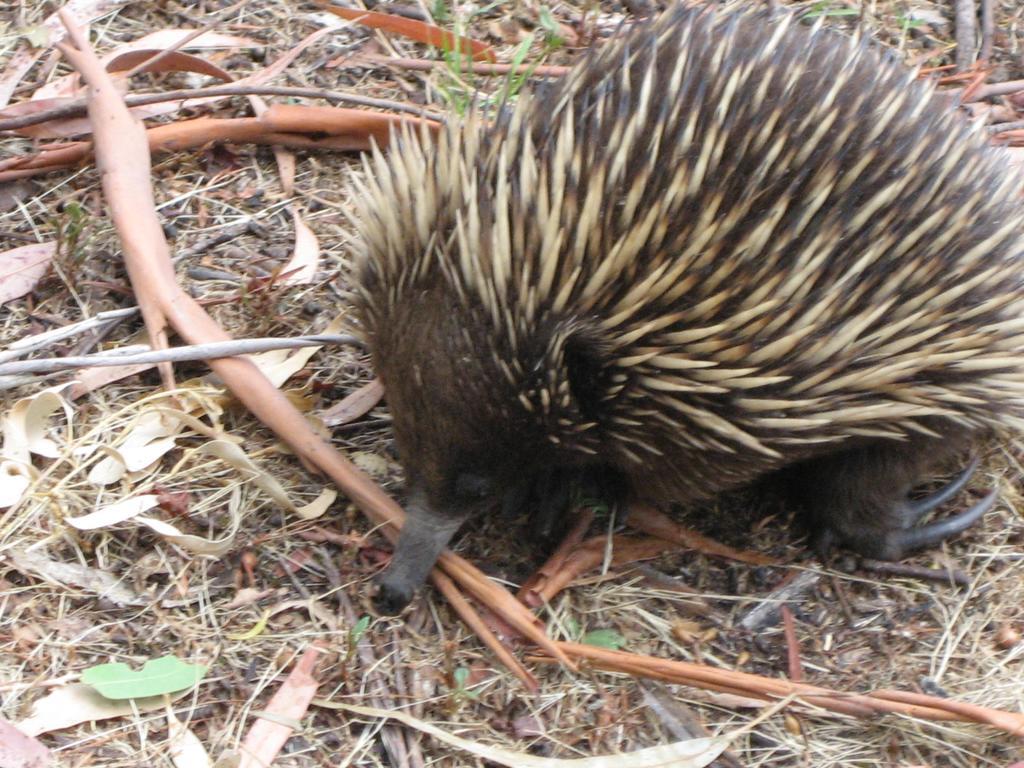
549	497
860	499
552	501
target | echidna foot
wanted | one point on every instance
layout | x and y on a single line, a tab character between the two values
909	539
921	507
906	536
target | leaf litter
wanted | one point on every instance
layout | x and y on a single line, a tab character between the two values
854	632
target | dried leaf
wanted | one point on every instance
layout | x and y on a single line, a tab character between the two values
198	544
301	267
20	751
170	38
104	584
22	267
154	434
354	404
37	36
694	753
373	464
112	514
26	432
183	746
15	479
115	60
89	379
283	714
279	365
237	458
80	703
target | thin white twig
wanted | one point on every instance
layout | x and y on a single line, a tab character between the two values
175	354
29	344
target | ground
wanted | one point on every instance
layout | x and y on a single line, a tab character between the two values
285	582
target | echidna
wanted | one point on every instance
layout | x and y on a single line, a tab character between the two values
724	245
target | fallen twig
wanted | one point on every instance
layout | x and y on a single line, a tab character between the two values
78	107
906	570
29	344
477	68
176	354
625	550
966	29
291	125
746	684
796	670
653	522
1004	88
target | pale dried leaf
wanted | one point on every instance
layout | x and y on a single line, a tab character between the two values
237	458
209	40
301	267
154	434
80	703
183	746
90	379
198	544
20	751
15	479
693	753
115	513
22	267
279	365
104	584
30	416
373	464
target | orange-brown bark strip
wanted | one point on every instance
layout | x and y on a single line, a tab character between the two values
745	683
292	125
479	626
419	31
647	519
625	550
532	587
796	670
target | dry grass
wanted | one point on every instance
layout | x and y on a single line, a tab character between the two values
855	632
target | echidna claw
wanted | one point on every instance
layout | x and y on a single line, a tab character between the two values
934	533
921	507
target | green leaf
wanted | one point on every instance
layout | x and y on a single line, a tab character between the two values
157	676
552	29
461	677
360	627
604	638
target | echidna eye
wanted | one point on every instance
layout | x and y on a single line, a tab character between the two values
470	486
583	367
